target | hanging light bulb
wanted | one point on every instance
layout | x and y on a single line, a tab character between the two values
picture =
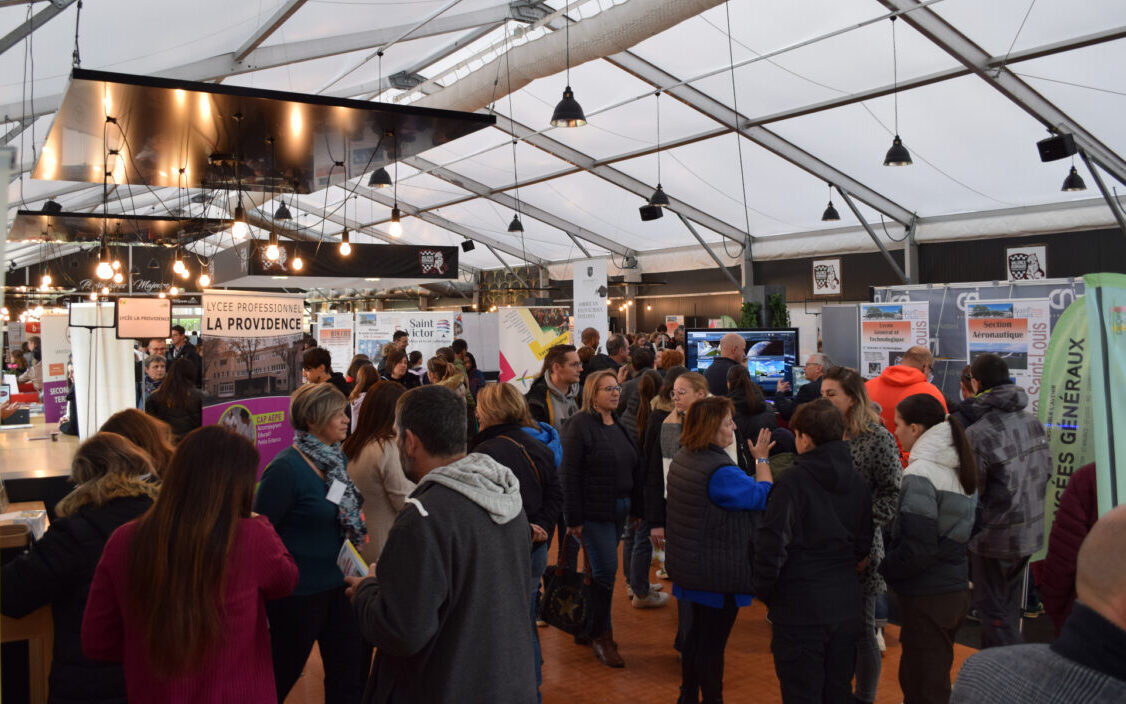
272	249
103	270
46	280
178	265
172	290
116	264
93	295
345	245
204	280
297	263
105	290
118	277
396	227
162	294
240	230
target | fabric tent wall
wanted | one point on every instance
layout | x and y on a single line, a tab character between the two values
103	366
609	32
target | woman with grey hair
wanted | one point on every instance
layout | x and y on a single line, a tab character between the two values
311	501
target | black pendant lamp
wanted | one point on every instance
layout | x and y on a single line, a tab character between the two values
380	178
1073	182
282	213
516	225
568	113
898	154
830	213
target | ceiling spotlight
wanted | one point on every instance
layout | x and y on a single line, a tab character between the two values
659	199
282	213
345	245
898	154
467	245
515	225
1073	182
204	280
396	227
380	178
651	212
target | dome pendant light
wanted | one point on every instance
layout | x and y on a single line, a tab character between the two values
568	113
659	199
898	154
1073	182
380	178
282	213
830	214
516	225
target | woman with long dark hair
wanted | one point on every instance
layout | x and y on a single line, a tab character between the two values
875	455
152	435
397	369
57	569
653	459
182	602
602	482
313	503
366	377
373	464
178	402
926	562
751	413
710	534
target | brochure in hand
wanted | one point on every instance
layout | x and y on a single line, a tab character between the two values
350	562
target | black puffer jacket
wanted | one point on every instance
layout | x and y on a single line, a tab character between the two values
590	471
58	571
539	484
654	468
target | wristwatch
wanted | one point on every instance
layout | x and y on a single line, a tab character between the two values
762	460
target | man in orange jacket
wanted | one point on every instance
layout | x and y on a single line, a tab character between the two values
899	381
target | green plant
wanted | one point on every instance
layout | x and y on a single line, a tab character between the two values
751	314
779	313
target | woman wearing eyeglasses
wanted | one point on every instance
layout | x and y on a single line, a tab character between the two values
602	487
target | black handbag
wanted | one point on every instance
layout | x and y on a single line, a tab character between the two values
572	601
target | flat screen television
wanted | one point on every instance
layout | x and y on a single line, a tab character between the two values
771	353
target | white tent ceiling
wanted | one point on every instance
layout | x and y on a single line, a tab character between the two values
813	84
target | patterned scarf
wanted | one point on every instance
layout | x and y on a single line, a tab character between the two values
151	386
330	460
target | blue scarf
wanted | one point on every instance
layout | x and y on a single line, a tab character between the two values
330	460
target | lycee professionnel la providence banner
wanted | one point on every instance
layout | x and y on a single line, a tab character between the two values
251	349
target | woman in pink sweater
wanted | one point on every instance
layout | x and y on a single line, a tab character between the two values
179	595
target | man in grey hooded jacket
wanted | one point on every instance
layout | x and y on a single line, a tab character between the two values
447	606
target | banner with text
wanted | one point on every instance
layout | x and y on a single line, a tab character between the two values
335	333
1106	324
426	331
54	334
1016	330
525	336
590	297
1064	406
251	351
887	331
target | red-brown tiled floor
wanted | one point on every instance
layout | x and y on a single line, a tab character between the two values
652	672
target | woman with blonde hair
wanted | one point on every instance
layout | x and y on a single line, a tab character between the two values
603	486
313	503
152	435
111	490
373	464
875	455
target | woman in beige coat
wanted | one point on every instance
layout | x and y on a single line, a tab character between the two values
373	465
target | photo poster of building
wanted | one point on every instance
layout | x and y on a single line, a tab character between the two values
335	333
251	349
1018	331
525	336
54	336
887	331
427	331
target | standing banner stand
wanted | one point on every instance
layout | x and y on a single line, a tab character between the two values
103	365
1106	322
251	351
54	336
590	297
336	333
481	332
525	335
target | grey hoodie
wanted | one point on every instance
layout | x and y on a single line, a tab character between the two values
485	482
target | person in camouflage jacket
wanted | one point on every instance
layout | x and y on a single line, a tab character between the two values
1014	464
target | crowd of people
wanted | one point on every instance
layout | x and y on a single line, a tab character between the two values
453	491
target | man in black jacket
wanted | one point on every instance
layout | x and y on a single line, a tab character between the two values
732	351
316	367
182	348
813	540
815	366
447	608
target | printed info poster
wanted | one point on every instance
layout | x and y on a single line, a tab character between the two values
54	335
1018	331
525	336
334	333
590	297
251	351
887	331
426	331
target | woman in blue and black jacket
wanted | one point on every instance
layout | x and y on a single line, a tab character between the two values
926	562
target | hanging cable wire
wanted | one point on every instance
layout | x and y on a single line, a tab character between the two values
895	74
512	129
657	96
738	138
